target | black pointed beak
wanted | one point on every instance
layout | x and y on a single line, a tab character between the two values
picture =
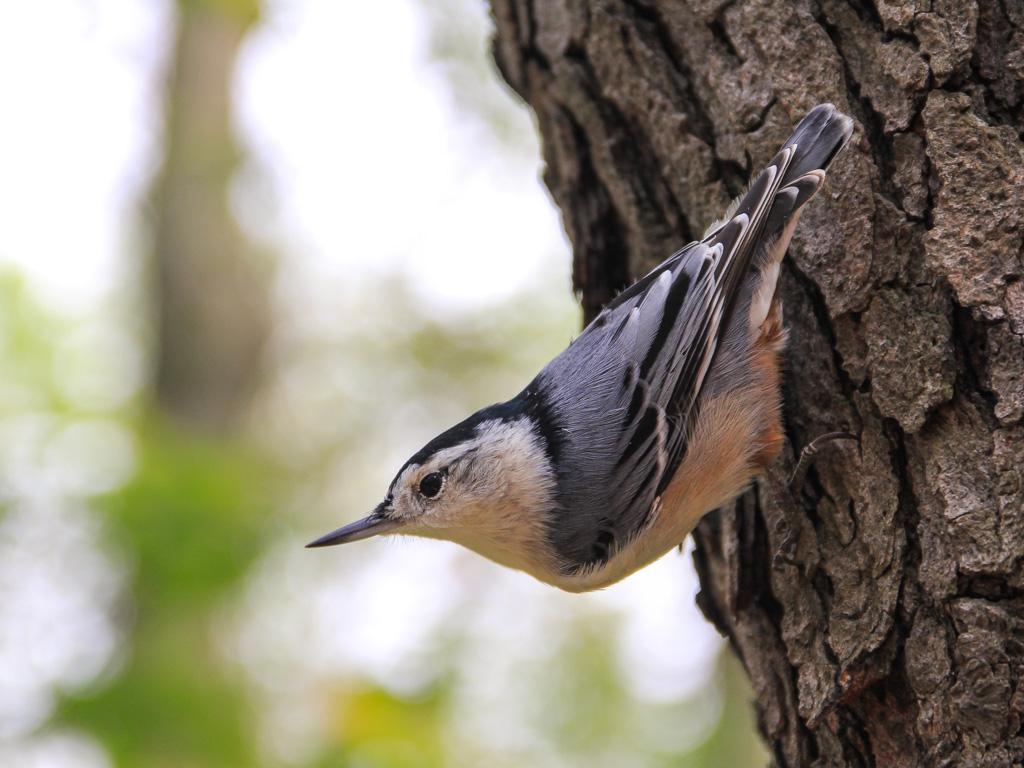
373	524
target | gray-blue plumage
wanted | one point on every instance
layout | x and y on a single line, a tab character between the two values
624	394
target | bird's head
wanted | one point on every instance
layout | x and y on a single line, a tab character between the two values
487	483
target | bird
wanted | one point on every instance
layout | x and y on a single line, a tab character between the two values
664	408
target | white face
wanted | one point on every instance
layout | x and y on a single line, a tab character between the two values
492	492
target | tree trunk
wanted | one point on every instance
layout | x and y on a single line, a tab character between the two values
211	294
880	615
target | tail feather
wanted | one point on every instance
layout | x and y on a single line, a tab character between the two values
817	138
814	143
758	227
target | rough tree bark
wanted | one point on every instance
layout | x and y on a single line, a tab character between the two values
880	616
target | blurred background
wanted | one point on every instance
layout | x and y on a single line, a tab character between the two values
252	256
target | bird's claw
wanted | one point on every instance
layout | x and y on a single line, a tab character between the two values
807	455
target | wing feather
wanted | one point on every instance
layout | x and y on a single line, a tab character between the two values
645	357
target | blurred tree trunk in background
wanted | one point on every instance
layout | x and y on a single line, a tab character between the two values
881	616
213	314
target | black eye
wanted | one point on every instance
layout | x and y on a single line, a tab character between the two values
430	485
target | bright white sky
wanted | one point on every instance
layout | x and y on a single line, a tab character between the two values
368	174
372	167
77	85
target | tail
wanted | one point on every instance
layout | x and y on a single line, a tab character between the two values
816	140
758	226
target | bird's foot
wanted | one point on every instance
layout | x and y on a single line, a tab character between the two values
808	454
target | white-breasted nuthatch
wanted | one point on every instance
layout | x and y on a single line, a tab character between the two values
663	409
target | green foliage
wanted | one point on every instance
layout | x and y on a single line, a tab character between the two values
194	515
375	728
245	12
28	336
192	521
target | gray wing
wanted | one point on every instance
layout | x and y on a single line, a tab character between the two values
624	394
